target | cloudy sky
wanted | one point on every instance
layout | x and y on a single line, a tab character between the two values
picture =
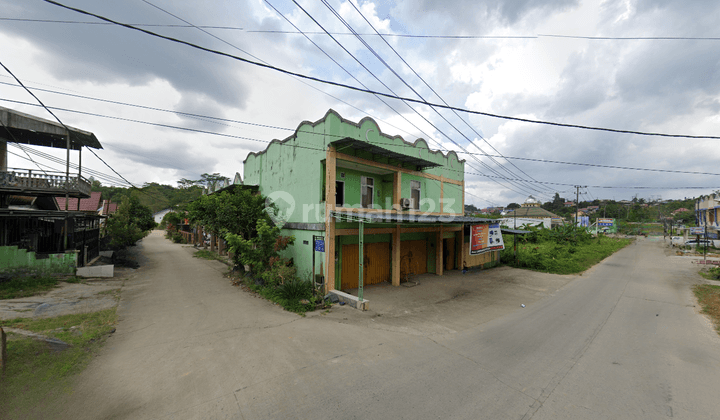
590	63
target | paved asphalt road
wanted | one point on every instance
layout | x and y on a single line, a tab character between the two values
622	341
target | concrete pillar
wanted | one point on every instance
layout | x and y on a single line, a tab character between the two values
330	177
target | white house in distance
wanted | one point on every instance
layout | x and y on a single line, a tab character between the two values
706	212
159	215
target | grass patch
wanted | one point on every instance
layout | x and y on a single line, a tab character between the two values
712	273
562	258
709	297
36	374
26	284
207	255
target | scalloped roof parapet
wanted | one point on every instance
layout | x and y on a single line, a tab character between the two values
357	125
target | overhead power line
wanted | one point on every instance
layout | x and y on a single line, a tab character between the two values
426	84
320	149
395	35
213	133
357	89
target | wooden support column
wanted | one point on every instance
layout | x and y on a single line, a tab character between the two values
212	242
330	177
3	155
3	352
462	247
462	210
396	256
439	253
397	191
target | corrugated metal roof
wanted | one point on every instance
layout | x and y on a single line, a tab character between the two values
29	129
377	150
381	217
86	204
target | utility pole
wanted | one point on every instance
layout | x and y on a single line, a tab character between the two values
577	203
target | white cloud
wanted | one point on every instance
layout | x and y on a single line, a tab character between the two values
663	86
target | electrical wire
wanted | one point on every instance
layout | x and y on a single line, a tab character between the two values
357	89
429	87
208	117
319	149
270	31
380	81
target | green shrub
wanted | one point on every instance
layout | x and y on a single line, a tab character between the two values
295	289
178	238
279	272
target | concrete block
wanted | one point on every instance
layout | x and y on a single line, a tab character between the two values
96	271
351	300
107	254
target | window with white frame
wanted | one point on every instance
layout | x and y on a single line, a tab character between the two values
367	189
415	194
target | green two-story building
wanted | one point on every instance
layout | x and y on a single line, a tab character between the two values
365	207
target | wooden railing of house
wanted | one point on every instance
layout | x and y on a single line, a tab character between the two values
48	181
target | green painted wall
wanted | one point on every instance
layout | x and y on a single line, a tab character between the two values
302	254
11	257
292	172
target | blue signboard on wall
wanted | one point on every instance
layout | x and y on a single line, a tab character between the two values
320	245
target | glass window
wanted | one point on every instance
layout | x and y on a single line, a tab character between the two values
367	190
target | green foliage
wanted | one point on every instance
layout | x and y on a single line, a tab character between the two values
564	234
278	272
713	273
262	251
129	224
23	282
35	373
235	212
152	195
178	238
289	295
562	251
295	289
172	220
207	255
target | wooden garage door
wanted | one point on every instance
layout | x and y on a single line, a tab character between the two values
413	257
377	264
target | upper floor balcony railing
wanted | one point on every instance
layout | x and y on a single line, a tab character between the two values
36	183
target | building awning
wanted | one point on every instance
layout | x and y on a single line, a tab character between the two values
383	217
349	143
18	127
